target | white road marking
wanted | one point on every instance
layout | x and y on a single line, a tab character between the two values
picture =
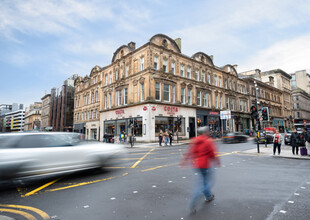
113	198
154	186
291	202
170	181
296	194
135	192
282	211
184	177
86	206
303	187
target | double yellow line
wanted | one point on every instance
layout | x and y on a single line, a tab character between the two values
12	209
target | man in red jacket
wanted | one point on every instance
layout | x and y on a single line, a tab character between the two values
202	155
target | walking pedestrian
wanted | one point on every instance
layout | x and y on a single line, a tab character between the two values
201	153
277	140
295	141
160	137
303	142
308	142
170	137
166	137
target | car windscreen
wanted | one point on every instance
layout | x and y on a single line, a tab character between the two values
44	140
6	141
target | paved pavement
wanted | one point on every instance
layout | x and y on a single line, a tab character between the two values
286	150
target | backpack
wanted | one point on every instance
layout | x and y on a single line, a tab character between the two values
122	135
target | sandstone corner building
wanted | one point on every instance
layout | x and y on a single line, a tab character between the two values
154	84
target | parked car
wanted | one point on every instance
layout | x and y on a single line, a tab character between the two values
24	155
235	137
262	138
287	138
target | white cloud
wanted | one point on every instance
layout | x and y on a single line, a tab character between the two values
289	55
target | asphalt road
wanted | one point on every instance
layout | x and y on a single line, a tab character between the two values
148	184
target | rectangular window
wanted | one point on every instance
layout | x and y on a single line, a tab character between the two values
119	94
182	70
197	75
245	106
142	64
125	96
209	79
240	105
203	76
157	91
209	100
106	79
142	91
127	70
173	68
110	100
205	99
189	96
166	93
220	81
173	94
216	101
116	75
156	62
225	84
215	80
110	78
165	66
199	98
221	102
121	72
183	95
189	73
105	102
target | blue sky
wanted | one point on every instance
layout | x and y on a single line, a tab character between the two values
44	42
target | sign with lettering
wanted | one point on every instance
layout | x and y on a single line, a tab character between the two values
119	112
171	109
154	108
213	113
144	108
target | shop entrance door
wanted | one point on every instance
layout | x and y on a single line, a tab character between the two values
192	131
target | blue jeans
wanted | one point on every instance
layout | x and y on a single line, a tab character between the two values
203	186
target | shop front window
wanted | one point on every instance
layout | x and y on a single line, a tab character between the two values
109	127
121	126
169	123
138	130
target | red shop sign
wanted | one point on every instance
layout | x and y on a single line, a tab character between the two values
144	108
213	113
121	111
154	108
171	109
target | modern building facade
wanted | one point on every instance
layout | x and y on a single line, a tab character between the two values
14	121
62	106
301	79
33	117
155	83
46	113
7	108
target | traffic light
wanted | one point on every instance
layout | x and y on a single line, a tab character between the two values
135	123
265	113
130	122
254	112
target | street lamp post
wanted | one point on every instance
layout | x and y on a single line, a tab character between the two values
257	118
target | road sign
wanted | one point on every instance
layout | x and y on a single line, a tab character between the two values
225	114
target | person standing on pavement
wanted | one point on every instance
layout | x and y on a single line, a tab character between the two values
166	137
170	137
277	140
160	137
307	141
295	141
201	154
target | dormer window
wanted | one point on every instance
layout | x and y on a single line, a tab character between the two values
156	62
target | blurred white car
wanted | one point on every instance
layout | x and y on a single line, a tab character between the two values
36	154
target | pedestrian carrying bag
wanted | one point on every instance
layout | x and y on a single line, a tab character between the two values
303	151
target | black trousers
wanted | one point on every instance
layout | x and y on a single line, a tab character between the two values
295	148
160	140
275	146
